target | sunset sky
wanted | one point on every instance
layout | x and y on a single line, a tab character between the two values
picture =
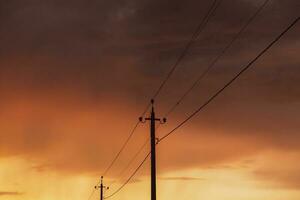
75	76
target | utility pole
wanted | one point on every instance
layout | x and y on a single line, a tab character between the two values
101	187
153	142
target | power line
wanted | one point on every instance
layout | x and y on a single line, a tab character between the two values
195	35
206	103
212	64
131	161
231	81
92	193
199	29
133	158
211	99
130	177
122	148
126	142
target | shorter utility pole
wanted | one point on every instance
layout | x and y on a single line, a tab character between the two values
153	142
101	187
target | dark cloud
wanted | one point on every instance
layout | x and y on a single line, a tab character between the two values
75	74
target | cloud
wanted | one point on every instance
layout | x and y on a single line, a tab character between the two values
75	76
279	170
8	193
182	178
280	178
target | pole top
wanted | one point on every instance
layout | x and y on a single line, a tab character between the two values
152	103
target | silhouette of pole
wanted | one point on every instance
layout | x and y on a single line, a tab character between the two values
153	155
101	187
153	142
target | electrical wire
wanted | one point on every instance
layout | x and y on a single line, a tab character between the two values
231	81
210	100
212	64
122	148
130	177
195	35
199	29
131	160
92	193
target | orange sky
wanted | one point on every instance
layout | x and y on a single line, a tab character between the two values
75	76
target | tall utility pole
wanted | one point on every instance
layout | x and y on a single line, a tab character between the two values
153	142
101	187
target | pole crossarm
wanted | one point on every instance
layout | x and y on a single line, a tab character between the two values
101	187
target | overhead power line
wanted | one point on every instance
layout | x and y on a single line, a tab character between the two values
130	177
92	193
212	64
200	27
210	100
122	148
198	30
195	35
231	81
126	142
131	160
